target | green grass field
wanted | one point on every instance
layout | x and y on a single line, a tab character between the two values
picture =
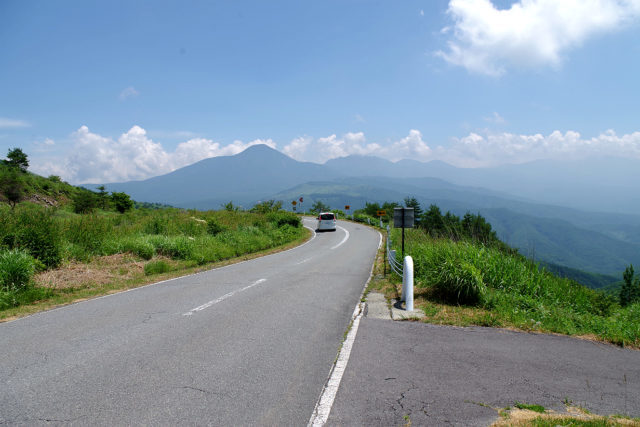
38	242
468	283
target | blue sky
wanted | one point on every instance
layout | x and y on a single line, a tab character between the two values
112	91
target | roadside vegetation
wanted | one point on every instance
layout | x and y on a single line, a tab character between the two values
464	275
59	243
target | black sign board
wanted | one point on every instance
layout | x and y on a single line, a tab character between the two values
403	217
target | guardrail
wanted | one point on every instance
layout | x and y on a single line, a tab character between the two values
405	270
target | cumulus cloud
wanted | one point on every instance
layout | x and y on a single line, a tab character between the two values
133	156
477	149
7	123
531	33
492	149
325	148
129	92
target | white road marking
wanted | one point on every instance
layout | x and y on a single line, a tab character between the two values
223	297
346	237
327	396
303	261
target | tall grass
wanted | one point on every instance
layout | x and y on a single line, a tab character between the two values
516	290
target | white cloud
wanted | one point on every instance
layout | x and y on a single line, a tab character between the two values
477	149
129	92
492	149
133	156
6	123
495	118
330	147
531	33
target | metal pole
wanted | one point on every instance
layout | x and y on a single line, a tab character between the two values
402	233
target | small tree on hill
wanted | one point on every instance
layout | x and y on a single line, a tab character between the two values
318	207
412	202
16	158
84	202
121	201
12	186
630	291
267	206
103	197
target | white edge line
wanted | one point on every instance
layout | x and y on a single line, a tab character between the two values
162	281
346	237
223	297
324	404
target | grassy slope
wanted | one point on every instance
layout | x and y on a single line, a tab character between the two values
123	250
463	283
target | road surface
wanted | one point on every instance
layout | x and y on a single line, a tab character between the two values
250	343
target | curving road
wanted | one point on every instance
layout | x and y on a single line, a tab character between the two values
251	343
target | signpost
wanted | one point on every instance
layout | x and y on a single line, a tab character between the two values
301	200
346	208
403	217
294	203
380	214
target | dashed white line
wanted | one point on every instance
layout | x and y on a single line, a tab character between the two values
222	298
303	261
346	237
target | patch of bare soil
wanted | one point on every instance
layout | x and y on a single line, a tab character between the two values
100	271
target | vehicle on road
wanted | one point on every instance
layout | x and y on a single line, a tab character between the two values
326	221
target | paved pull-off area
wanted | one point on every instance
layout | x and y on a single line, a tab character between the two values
443	375
251	343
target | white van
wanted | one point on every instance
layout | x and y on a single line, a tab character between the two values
326	221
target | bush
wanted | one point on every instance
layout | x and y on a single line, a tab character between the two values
37	232
214	227
16	269
156	267
283	218
460	282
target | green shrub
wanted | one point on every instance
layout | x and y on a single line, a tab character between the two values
156	267
37	231
214	227
461	282
88	232
16	269
140	246
284	218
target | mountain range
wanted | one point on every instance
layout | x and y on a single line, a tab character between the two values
538	207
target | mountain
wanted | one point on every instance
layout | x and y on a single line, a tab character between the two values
558	235
593	241
243	179
604	184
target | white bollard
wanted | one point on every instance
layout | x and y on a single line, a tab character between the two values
407	282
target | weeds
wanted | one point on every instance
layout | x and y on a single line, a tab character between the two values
469	283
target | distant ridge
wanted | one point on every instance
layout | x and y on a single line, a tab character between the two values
243	178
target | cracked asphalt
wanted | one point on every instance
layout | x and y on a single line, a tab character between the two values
248	344
442	375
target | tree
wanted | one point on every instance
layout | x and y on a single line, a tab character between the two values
433	221
12	186
267	206
412	202
84	202
230	207
121	201
318	207
630	291
16	158
103	197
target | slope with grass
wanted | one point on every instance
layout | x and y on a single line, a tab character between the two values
121	250
468	283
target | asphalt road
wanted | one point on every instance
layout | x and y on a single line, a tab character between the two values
444	375
250	343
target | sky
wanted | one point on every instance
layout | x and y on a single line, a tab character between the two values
111	91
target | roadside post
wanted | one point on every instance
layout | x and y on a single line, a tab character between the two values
346	209
380	214
294	203
301	200
403	218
